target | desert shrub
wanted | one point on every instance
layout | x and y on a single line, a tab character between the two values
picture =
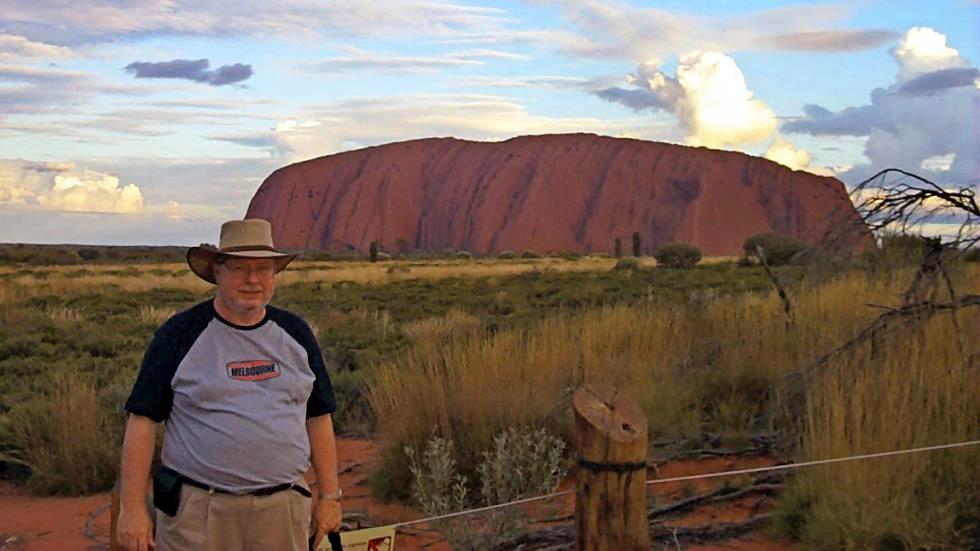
437	486
382	256
530	254
618	248
678	255
972	254
627	263
569	255
464	255
637	244
779	249
506	255
89	255
67	438
519	464
373	251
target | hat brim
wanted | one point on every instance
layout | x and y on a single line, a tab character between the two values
201	260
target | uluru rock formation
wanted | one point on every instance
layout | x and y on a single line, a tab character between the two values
575	192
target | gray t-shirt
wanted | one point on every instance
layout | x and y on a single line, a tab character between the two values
235	399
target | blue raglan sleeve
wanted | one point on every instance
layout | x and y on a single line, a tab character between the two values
152	396
322	400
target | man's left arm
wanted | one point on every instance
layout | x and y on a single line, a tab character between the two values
323	447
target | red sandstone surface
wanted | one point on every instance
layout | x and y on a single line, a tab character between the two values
29	523
545	193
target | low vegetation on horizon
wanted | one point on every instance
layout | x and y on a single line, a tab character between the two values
466	349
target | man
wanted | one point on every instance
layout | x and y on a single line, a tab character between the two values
243	391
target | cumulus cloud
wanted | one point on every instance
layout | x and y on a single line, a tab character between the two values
64	187
709	96
785	153
929	112
18	47
196	70
923	50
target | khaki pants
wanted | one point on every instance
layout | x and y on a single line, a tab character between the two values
224	522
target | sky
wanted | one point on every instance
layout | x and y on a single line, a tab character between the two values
128	122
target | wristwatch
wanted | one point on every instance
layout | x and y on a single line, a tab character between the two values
335	496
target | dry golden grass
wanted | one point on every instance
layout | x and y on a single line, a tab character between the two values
154	315
714	364
438	330
914	390
66	439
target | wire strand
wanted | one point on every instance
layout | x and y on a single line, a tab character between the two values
720	474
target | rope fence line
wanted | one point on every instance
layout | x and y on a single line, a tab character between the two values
785	467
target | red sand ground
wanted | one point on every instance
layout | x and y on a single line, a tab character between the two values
30	523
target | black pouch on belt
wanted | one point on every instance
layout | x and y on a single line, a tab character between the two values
166	490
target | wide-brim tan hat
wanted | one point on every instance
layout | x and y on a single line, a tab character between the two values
250	238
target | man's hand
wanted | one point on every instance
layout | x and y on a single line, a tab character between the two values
326	518
135	530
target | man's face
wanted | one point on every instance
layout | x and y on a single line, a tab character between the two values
245	285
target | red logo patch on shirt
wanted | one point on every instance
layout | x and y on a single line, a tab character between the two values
253	370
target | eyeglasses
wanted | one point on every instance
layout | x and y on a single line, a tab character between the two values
242	271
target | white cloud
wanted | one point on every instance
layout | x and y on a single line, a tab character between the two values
63	187
923	50
709	96
785	153
17	47
717	108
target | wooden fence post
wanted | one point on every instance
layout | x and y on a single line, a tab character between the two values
611	448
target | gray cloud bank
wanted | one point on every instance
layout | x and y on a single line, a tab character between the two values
925	122
196	70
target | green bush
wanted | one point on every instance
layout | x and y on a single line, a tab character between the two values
520	464
506	255
464	255
677	255
530	254
778	249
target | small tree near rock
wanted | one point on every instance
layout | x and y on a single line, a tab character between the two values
636	244
678	255
373	251
618	248
778	249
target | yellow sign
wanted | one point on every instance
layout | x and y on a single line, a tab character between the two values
368	539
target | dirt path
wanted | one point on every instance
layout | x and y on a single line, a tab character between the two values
29	523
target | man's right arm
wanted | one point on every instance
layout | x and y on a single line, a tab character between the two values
135	531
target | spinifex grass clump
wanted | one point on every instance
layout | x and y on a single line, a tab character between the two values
914	389
68	439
